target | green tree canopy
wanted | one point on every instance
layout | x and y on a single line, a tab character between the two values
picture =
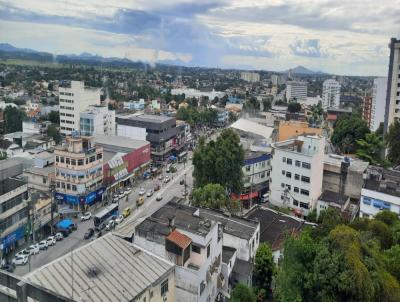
210	196
393	143
294	107
53	132
242	293
349	129
54	117
263	267
13	118
370	148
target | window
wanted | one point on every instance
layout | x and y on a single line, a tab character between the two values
80	162
283	172
288	174
304	192
151	294
289	187
73	187
296	189
208	250
92	158
289	161
68	186
296	176
195	249
284	159
295	202
306	165
297	163
248	168
303	205
164	287
62	160
282	185
100	156
67	161
73	162
282	197
262	175
44	180
305	178
57	159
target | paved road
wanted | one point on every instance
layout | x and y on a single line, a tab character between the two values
75	239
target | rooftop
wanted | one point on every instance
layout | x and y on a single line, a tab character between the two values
252	127
45	171
147	118
242	268
274	225
118	143
179	239
107	269
330	196
233	225
174	215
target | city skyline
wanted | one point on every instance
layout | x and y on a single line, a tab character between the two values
334	37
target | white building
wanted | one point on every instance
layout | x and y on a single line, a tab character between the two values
330	94
297	170
296	90
134	105
194	93
380	192
392	108
75	98
251	77
179	234
97	120
379	91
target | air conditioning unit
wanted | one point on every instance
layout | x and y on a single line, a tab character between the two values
164	298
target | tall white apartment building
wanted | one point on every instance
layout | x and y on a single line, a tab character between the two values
75	98
392	109
296	90
330	94
97	120
378	102
251	77
297	170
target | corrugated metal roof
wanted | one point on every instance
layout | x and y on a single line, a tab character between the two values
108	269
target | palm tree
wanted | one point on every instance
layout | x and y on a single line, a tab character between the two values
370	148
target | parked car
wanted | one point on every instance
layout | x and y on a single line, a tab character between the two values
86	216
110	225
166	179
168	169
121	193
140	201
159	197
20	260
119	219
100	227
142	191
59	236
51	241
160	177
24	252
43	245
126	212
89	234
115	198
9	267
128	190
33	249
149	193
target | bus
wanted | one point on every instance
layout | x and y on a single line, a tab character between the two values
104	215
182	157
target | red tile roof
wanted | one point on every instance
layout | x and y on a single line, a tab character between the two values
179	239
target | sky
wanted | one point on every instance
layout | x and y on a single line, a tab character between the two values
341	36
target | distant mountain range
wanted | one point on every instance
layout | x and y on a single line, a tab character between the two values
8	51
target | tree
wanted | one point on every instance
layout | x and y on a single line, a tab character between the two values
53	132
242	293
294	107
370	148
393	143
54	117
220	162
210	196
392	261
347	131
263	267
13	118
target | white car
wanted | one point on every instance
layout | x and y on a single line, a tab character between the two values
43	245
110	225
142	191
166	179
160	177
33	249
128	190
121	193
86	216
149	193
115	198
51	240
119	219
24	252
159	197
20	260
59	236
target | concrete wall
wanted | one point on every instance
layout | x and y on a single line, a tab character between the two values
132	132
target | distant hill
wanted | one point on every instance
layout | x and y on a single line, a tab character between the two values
11	48
303	70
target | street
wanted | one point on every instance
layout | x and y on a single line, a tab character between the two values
76	240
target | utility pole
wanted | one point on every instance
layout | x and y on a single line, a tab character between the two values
52	208
186	193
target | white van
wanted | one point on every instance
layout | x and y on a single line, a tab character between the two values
265	198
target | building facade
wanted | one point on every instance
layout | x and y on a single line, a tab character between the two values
251	77
330	94
74	98
296	90
297	169
367	110
392	108
378	102
79	172
134	105
97	120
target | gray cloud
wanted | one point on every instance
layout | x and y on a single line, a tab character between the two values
307	48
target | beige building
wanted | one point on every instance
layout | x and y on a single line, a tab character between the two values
79	171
